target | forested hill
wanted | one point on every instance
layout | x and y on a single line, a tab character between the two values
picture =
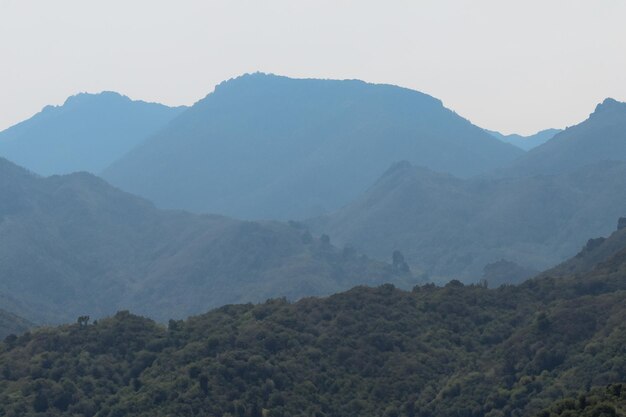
451	351
609	401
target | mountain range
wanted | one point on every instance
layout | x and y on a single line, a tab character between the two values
269	147
535	214
87	133
451	227
73	245
453	205
264	146
526	142
600	138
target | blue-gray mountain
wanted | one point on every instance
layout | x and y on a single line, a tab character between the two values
451	227
73	245
12	324
536	214
87	133
264	146
600	138
526	142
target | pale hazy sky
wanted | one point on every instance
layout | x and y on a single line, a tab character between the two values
514	66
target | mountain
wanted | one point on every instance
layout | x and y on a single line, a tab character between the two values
505	272
600	138
73	245
452	227
87	133
12	324
269	147
596	252
526	142
435	351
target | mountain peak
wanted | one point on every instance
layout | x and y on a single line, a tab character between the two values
84	97
609	105
401	166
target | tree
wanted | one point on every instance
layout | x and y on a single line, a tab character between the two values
83	321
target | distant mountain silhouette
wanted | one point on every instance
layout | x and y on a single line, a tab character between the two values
526	142
87	133
265	146
451	227
73	245
602	137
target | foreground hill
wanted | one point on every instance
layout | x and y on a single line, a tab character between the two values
600	138
608	401
264	146
452	351
87	133
73	245
455	227
526	142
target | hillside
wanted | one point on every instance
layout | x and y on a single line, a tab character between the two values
608	401
268	147
87	133
73	245
596	251
12	324
600	138
452	227
526	142
451	351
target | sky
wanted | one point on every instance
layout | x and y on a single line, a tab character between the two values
511	66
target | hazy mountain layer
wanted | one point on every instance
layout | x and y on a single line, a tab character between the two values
73	245
526	142
453	227
600	138
446	352
12	324
263	146
87	133
597	251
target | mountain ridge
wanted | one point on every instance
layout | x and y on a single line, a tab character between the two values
526	142
270	147
599	138
86	133
76	238
452	228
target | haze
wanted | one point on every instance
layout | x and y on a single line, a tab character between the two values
508	66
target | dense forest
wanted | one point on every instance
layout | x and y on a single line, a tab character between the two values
457	350
600	402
